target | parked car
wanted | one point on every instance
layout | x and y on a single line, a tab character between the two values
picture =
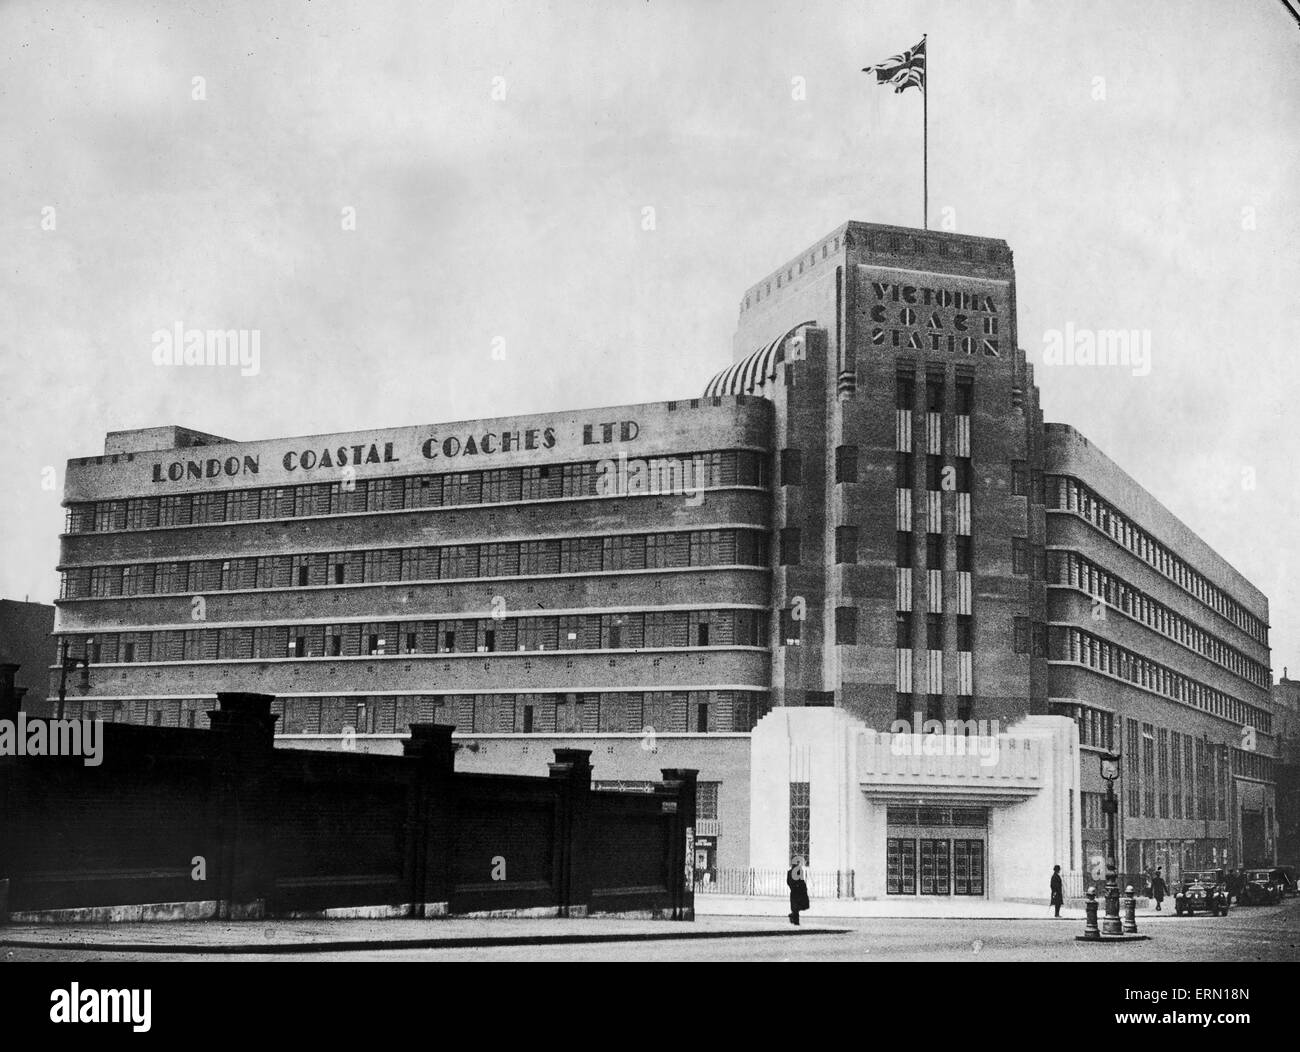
1286	877
1259	888
1203	892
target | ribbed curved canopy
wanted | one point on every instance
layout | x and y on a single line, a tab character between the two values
754	370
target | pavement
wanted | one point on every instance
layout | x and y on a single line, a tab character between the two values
862	930
281	937
928	908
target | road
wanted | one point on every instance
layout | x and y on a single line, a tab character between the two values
1268	933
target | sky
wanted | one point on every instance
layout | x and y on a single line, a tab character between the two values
441	211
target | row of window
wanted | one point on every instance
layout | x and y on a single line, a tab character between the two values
935	634
1069	494
1072	569
790	548
905	542
654	629
666	712
1252	765
846	626
846	630
350	496
1028	559
931	706
1072	644
1027	483
445	562
1096	726
955	478
905	387
1193	779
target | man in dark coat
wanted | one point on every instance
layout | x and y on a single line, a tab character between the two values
1158	887
798	889
1058	890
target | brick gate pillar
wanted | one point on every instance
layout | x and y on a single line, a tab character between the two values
243	731
9	702
431	817
571	774
678	788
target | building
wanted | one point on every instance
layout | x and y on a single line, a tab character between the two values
864	515
1159	649
1286	704
27	642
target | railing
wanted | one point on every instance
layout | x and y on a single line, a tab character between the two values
1077	883
822	883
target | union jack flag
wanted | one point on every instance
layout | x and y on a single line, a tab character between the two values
903	71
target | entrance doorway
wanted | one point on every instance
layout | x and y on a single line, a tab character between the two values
936	850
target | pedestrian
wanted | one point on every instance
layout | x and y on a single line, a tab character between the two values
1158	887
1058	890
798	888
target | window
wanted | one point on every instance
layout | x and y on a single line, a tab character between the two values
846	464
799	825
965	396
790	546
1021	628
846	544
791	467
903	470
702	718
934	707
1148	770
964	473
905	393
1163	754
903	630
706	800
934	551
934	631
1131	763
965	633
903	549
1019	556
964	553
1019	481
933	472
791	627
934	395
846	625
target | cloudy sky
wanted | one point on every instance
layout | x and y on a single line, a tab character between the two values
167	163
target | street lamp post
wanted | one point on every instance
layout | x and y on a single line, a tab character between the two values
70	664
1111	924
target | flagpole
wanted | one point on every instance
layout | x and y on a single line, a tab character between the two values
925	136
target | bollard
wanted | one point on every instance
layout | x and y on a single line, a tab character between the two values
1090	929
1128	908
